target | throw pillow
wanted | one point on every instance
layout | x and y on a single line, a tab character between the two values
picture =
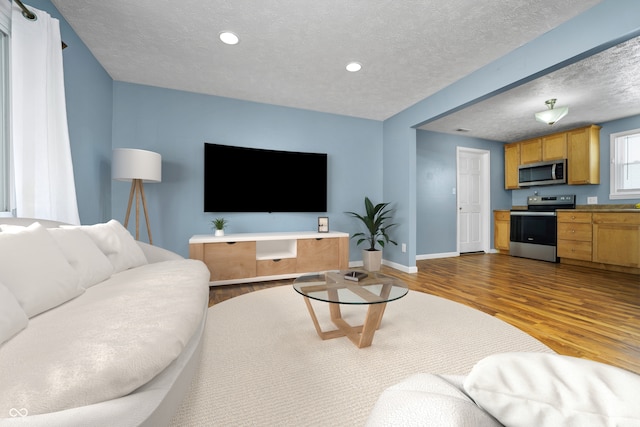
539	389
34	269
427	400
116	243
83	254
13	319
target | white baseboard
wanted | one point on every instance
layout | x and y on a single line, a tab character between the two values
440	255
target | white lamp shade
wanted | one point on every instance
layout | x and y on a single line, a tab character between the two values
131	163
551	116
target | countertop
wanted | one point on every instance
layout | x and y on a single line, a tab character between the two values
620	208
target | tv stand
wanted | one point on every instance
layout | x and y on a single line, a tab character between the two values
252	257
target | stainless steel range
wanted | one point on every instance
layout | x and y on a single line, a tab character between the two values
534	231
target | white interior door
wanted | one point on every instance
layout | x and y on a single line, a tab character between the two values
473	200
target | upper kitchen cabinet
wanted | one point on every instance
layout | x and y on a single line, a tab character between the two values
530	151
550	147
583	154
581	148
554	147
511	163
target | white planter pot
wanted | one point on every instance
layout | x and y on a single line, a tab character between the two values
219	233
371	260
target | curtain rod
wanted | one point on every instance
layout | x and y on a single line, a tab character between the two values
31	16
26	12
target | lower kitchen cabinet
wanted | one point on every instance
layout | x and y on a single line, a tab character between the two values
501	230
575	235
616	239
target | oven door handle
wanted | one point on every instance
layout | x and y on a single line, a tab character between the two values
553	171
532	213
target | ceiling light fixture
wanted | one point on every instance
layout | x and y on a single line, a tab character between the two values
551	115
354	66
228	37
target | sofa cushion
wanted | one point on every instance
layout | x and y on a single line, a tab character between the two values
13	319
83	254
107	343
35	270
537	389
428	400
116	243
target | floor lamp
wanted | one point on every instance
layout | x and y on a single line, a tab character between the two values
137	166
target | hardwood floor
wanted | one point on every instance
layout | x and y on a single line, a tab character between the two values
576	311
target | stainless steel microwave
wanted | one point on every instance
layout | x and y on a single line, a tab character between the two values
543	173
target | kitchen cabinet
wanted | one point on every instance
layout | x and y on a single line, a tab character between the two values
530	151
511	163
583	155
616	239
501	229
581	148
554	147
574	235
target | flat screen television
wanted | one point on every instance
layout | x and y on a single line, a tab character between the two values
239	179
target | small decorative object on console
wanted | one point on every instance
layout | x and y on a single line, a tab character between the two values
355	276
323	224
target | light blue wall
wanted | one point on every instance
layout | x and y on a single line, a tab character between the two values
176	124
436	177
601	191
379	160
88	94
606	24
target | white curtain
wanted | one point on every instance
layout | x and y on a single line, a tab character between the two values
41	154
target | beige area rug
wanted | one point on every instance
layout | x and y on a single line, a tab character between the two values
264	365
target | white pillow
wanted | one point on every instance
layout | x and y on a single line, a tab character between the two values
83	254
13	319
116	243
427	400
35	270
540	389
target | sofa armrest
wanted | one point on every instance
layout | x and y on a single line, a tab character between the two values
157	254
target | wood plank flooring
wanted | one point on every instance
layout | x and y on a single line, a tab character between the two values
576	311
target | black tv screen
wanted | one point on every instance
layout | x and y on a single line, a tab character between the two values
239	179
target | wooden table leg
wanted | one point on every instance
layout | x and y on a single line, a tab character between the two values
371	323
361	336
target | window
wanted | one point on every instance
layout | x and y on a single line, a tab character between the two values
625	165
5	11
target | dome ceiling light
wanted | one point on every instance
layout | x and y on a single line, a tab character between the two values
551	115
354	67
228	37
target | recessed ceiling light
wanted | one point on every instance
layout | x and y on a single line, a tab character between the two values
354	66
228	37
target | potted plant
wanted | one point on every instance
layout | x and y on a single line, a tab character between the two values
377	222
218	225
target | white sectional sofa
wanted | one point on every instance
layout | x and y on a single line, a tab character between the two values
96	329
515	390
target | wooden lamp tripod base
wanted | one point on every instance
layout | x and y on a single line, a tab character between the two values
137	188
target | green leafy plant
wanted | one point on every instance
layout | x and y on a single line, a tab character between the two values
219	223
376	220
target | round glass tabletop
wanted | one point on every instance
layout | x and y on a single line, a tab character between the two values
351	287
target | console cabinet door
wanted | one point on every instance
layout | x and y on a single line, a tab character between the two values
318	255
230	260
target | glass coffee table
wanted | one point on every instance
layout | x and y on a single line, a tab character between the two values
335	287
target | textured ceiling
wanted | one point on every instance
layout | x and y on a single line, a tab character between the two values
598	89
293	52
